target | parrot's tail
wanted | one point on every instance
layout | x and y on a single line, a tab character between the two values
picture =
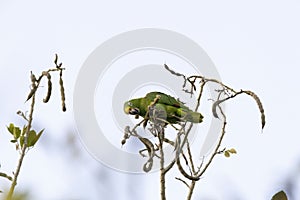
194	117
191	116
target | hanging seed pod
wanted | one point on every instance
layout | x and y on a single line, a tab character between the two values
260	107
151	153
126	135
46	99
62	92
215	105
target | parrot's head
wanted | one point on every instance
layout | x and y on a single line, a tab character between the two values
130	107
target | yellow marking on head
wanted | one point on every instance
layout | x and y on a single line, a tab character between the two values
127	109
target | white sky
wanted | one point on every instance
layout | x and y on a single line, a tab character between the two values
254	45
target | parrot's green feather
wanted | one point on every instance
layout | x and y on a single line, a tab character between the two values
166	99
167	107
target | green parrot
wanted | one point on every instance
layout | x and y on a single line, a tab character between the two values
169	109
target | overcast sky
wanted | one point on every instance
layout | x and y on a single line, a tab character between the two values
254	45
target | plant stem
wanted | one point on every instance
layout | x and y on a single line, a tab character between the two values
191	189
162	184
216	151
162	169
23	152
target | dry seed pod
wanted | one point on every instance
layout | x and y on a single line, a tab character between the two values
150	149
214	107
46	99
126	135
260	107
148	165
172	72
176	74
186	175
62	92
123	142
55	60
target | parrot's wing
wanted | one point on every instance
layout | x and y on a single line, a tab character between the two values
166	99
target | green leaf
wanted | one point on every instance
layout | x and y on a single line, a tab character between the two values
226	154
10	128
22	138
280	196
232	151
14	130
17	132
13	141
31	138
37	137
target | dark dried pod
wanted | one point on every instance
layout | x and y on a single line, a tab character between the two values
56	59
46	99
62	92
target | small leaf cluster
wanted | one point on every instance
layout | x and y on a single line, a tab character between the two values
19	136
227	153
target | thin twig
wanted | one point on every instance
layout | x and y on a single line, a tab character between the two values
23	150
183	181
191	190
162	163
216	151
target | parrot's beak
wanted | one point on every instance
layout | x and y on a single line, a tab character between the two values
134	111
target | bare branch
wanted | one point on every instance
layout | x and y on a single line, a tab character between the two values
183	181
